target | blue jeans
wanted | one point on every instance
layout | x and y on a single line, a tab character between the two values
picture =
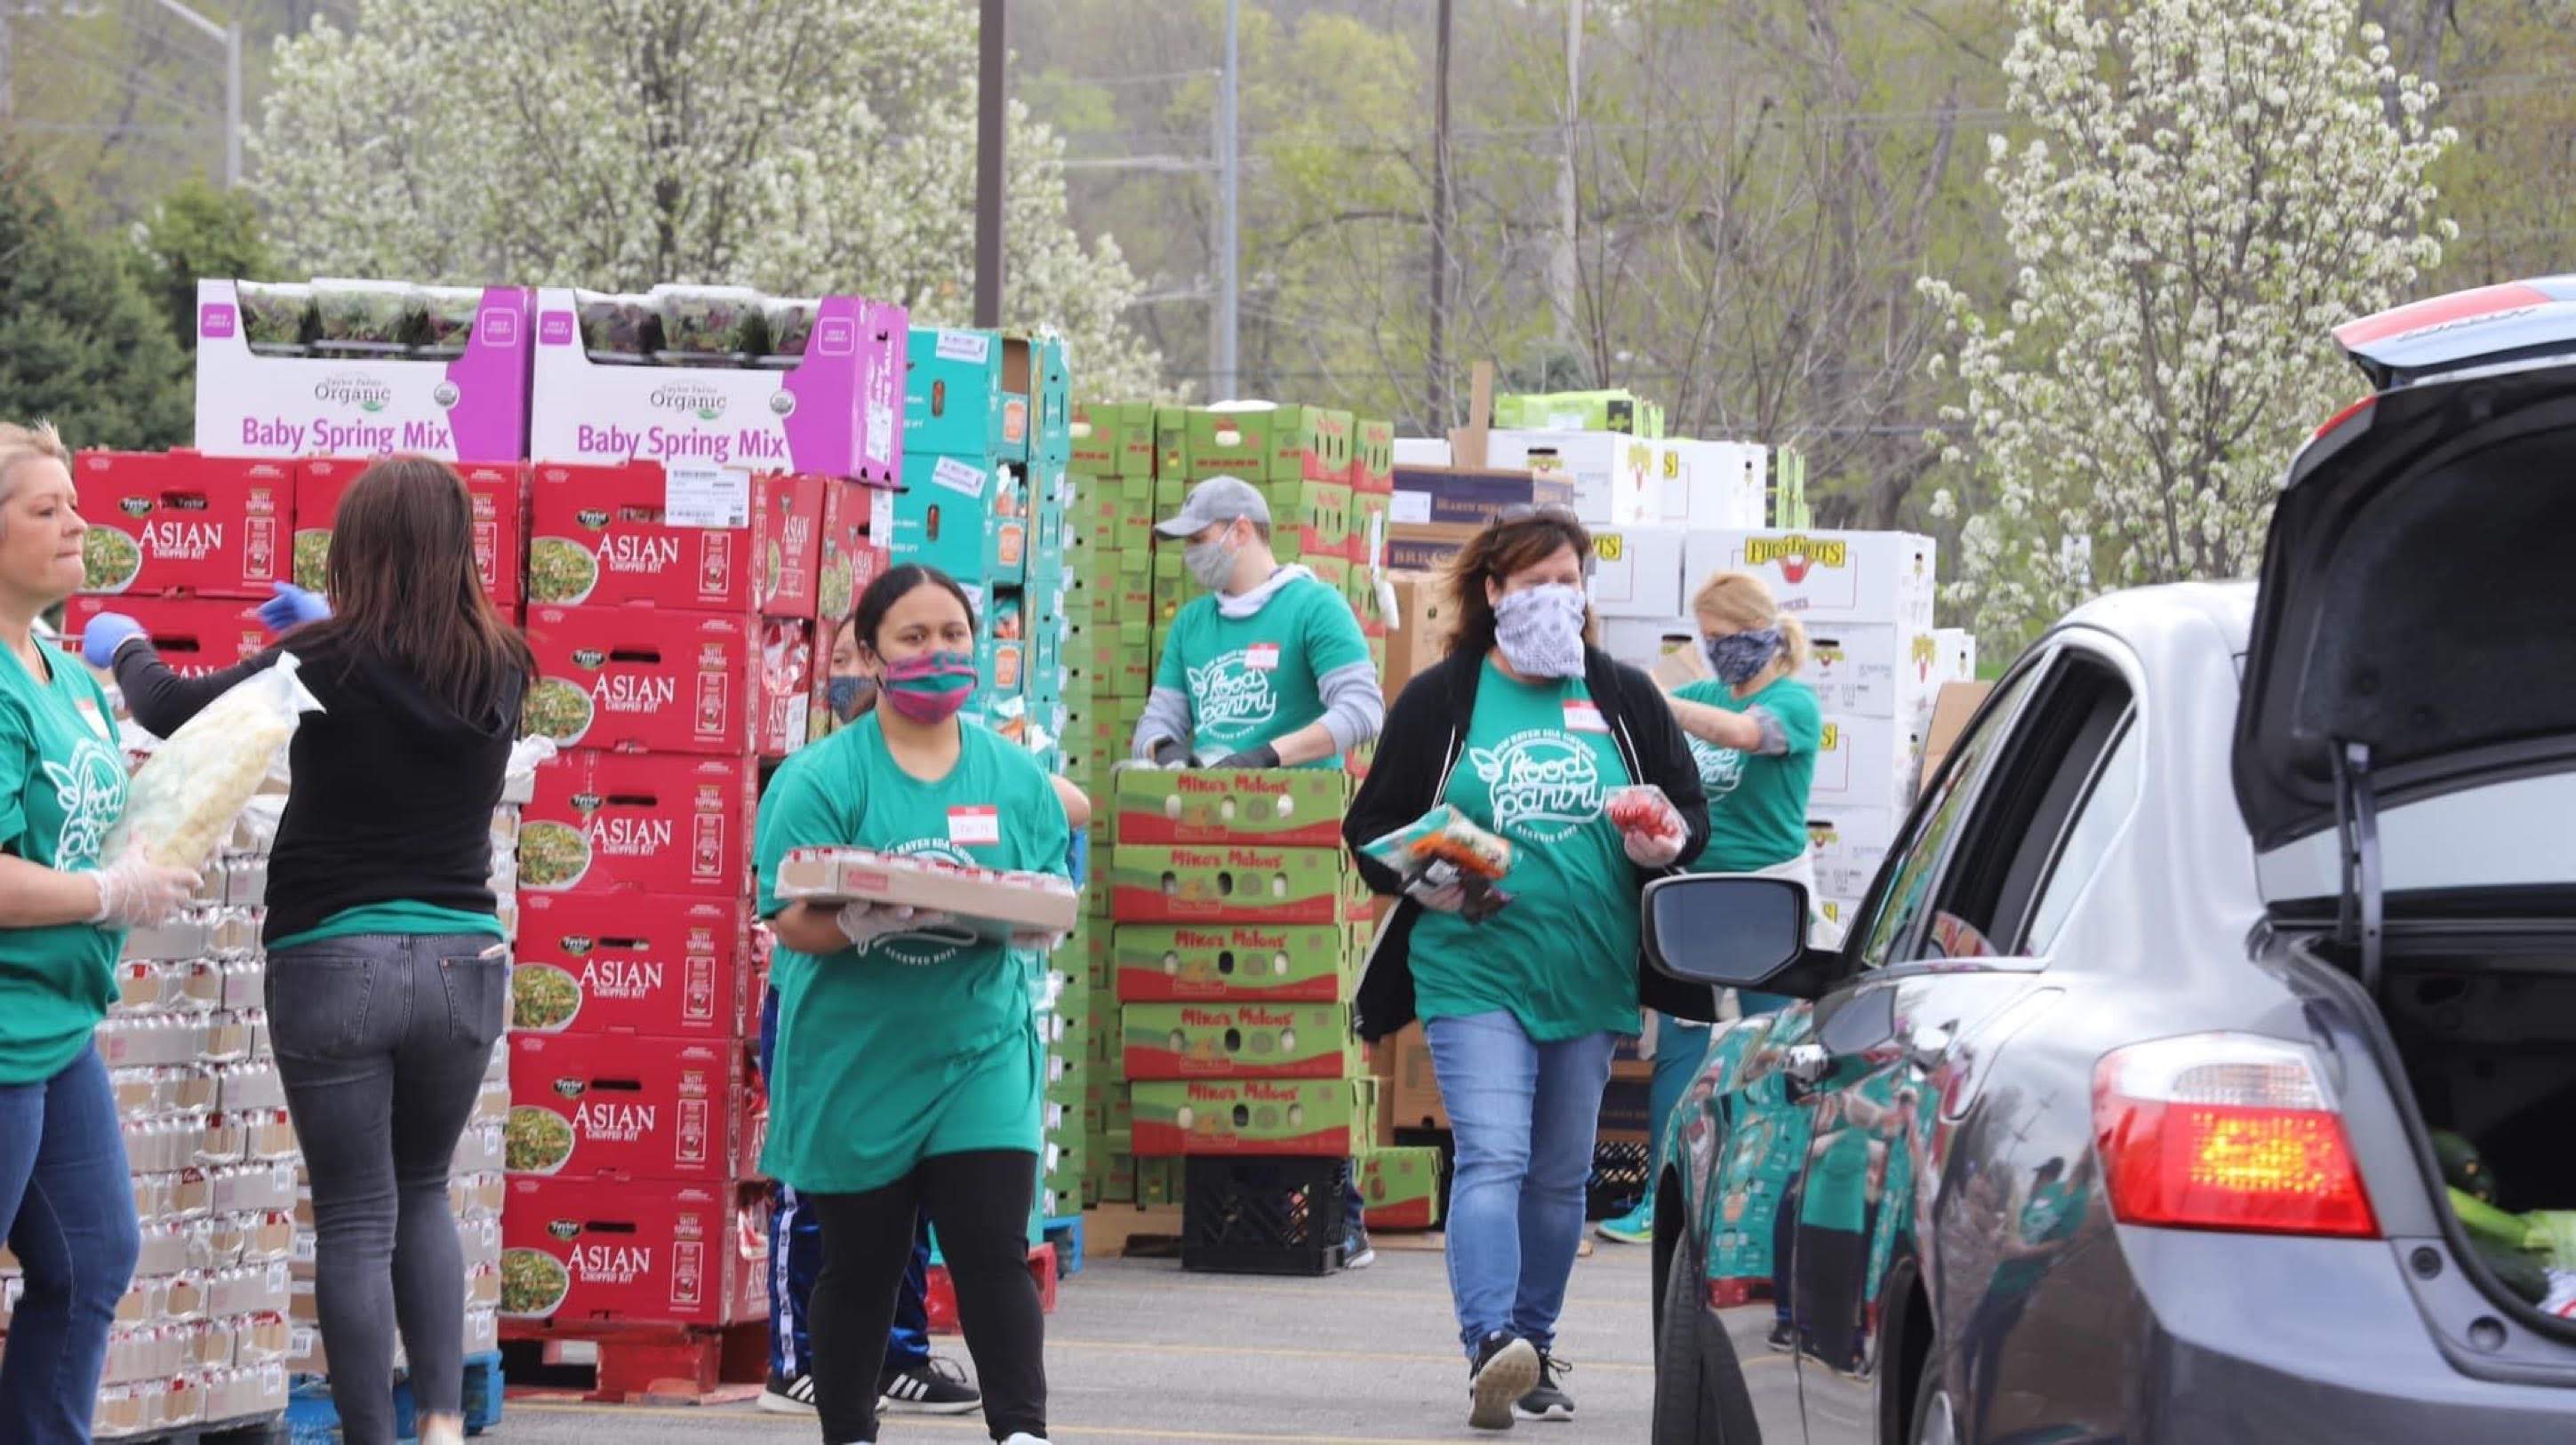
67	1209
1523	1114
796	1261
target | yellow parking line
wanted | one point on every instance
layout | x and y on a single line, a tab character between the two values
1132	1347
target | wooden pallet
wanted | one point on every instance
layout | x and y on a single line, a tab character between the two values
657	1364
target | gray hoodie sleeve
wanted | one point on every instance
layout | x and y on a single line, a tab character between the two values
1354	707
1167	715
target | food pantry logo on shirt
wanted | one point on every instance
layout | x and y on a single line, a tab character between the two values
931	945
1234	691
90	789
1545	785
1720	769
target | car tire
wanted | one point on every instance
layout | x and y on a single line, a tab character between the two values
1699	1384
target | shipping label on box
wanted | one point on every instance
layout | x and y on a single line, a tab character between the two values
1469	497
1865	762
834	414
580	1252
624	1107
1276	807
1637	572
607	964
194	635
683	536
1327	1118
967	394
472	408
1866	669
1400	1188
179	522
1238	1041
1235	883
625	823
497	492
1237	961
1270	443
963	517
1882	577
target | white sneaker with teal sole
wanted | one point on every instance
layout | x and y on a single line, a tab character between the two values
1637	1226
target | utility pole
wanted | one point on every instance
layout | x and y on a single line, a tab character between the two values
1229	234
990	108
1439	360
1562	276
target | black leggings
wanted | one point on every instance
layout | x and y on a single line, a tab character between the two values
979	1204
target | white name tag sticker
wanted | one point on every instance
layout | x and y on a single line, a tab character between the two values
1582	717
1262	657
968	826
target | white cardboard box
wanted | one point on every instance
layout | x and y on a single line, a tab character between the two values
1956	648
1421	452
1850	844
1868	669
1642	642
1637	572
1865	763
1714	485
1885	577
1617	478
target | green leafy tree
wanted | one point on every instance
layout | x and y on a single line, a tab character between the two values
81	343
197	231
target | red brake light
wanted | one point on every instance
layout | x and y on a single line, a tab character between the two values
2339	418
2227	1132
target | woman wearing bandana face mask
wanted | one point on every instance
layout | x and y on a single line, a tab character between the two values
1527	729
930	1027
1754	730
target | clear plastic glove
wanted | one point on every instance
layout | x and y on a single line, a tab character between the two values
865	923
1654	850
1036	940
105	633
135	892
291	608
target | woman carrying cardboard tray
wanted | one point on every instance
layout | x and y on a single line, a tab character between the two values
910	1068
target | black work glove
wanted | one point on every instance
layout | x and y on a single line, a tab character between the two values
1171	753
1264	756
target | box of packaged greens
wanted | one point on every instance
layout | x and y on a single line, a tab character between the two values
836	411
359	369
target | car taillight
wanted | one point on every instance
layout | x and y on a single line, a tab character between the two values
2229	1132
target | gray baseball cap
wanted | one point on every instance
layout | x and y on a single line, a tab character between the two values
1217	500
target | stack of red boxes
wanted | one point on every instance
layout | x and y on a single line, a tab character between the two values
184	544
675	619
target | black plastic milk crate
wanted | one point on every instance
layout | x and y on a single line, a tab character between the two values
1263	1215
1618	1181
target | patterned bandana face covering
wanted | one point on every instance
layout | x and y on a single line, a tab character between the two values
1739	659
932	687
1540	630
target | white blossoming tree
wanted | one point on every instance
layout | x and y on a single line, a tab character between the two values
2204	189
795	145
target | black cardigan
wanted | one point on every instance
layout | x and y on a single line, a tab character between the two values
1426	730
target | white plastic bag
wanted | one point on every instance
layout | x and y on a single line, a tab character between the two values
184	798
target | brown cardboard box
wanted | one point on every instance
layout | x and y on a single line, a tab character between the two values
1427	546
1680	667
1957	702
1422	637
1411	1090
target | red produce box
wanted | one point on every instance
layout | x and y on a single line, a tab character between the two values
605	536
857	521
499	493
165	522
624	1107
615	964
795	687
622	823
195	635
580	1252
638	680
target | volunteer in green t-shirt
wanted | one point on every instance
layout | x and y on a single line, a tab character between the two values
1754	729
1268	671
909	1064
66	1203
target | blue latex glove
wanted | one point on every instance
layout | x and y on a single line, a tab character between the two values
291	608
105	633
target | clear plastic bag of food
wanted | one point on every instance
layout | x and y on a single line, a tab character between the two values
1643	808
1445	847
183	800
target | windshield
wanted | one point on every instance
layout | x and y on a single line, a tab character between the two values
2498	836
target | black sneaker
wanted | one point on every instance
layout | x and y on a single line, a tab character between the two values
1357	1252
784	1396
1506	1368
933	1387
1547	1401
1783	1339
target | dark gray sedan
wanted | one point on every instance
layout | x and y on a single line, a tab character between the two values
2201	1067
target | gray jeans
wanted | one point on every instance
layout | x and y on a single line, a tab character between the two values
383	1042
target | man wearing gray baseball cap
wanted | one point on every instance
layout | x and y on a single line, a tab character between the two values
1271	669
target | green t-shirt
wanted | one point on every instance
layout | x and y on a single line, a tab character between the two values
1838	1182
1254	680
1561	957
870	1041
2050	1214
403	919
1757	802
64	777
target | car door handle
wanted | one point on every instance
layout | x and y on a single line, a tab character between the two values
1930	1045
1806	1063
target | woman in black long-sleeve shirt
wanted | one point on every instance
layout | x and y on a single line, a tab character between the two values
388	972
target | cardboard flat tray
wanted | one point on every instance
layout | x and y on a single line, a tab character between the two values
993	903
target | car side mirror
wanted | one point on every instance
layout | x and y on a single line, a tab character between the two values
1728	931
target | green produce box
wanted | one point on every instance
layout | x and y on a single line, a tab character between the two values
1369	521
1277	444
1239	1041
1235	883
1159	1183
1099	660
1113	440
1329	1118
1237	961
1280	807
1333	569
962	517
1401	1188
1372	456
1113	518
1118	1178
1172	442
1052	398
1612	411
966	394
1310	517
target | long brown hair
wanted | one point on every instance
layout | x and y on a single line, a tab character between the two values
1503	548
405	588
